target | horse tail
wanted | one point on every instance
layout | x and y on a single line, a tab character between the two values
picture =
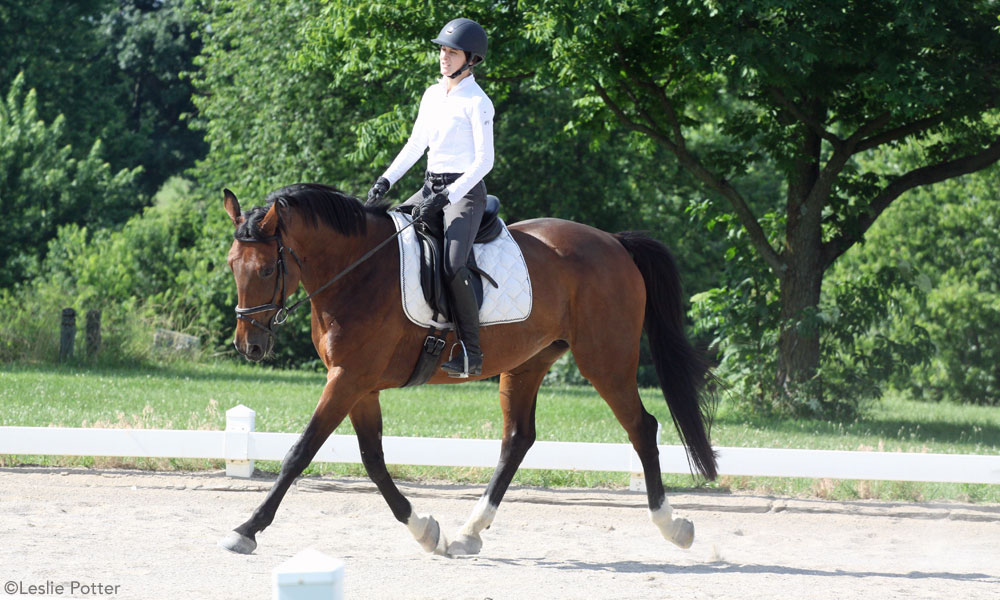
681	370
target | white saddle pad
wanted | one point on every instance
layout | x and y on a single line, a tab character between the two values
500	258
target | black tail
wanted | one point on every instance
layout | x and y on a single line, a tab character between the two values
681	371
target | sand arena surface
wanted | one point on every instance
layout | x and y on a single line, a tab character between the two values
153	536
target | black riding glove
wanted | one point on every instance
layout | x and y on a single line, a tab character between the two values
378	191
431	205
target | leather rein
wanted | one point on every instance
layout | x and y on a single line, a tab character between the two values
277	303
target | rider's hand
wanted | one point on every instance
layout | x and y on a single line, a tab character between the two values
431	205
378	191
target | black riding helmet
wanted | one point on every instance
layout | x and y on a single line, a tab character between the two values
466	35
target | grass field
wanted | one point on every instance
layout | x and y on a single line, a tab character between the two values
196	396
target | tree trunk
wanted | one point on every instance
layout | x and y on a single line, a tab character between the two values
802	278
798	345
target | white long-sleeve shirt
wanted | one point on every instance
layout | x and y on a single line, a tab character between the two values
456	129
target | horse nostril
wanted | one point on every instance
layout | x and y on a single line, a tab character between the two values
256	352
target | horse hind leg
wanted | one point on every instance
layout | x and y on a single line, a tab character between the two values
366	416
518	397
615	382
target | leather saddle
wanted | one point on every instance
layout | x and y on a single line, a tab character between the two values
430	237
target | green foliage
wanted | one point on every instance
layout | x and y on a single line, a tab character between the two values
164	268
114	69
267	123
951	232
151	46
58	47
803	90
43	186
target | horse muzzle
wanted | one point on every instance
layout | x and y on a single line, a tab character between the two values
254	350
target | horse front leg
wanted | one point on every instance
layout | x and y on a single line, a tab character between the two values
334	404
366	416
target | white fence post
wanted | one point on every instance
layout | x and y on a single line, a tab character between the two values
240	421
309	575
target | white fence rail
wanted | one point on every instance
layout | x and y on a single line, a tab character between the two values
239	445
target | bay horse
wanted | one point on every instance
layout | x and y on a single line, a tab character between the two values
593	292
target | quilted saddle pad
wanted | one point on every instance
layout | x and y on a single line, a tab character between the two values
501	259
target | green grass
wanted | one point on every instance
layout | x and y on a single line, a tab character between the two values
196	396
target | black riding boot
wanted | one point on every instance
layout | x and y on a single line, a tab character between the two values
465	313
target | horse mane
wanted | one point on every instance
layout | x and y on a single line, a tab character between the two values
318	204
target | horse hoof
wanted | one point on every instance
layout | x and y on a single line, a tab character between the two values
682	533
238	543
466	544
428	534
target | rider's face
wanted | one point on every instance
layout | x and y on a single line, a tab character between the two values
451	60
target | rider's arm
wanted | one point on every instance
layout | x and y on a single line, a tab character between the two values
482	139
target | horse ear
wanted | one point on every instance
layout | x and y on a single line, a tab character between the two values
269	224
232	207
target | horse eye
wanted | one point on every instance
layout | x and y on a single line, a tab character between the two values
266	272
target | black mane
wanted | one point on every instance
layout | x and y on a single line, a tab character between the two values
318	204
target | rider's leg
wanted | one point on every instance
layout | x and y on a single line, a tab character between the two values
461	221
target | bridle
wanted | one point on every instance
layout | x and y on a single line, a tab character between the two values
277	303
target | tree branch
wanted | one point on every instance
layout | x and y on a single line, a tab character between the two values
644	80
831	170
508	78
918	177
899	132
757	236
811	122
629	123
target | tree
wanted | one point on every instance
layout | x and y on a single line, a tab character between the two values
801	88
114	69
152	47
58	48
42	185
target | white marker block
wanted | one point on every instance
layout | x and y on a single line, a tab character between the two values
309	575
240	422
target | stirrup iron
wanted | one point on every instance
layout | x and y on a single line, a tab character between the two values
465	361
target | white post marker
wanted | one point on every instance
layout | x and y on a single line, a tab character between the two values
240	421
309	575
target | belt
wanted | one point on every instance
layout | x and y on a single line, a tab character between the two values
442	178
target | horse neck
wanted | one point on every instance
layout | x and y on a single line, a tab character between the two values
325	253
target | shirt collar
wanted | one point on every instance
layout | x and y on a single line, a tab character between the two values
444	82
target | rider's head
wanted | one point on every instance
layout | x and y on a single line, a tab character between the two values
467	36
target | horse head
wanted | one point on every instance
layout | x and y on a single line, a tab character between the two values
264	278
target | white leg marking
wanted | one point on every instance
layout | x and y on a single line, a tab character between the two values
468	541
678	531
428	534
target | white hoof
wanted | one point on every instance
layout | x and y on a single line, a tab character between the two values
238	543
428	534
466	544
680	532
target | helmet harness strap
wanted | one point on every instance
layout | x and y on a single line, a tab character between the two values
469	63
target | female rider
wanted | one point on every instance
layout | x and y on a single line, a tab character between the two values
455	125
